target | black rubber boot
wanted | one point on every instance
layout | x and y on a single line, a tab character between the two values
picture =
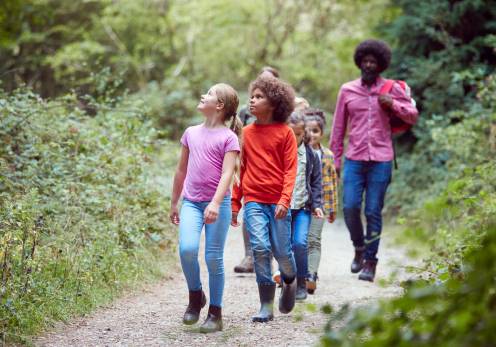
266	294
301	289
312	283
213	322
357	263
197	301
287	298
368	272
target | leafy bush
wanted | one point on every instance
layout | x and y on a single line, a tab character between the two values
81	217
450	144
455	305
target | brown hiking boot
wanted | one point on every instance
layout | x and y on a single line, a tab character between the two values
368	272
312	283
246	265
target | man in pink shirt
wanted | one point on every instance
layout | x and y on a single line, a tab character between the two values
369	154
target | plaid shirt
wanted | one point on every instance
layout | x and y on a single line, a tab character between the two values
329	182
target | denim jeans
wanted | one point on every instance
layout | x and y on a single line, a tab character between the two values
300	225
269	235
190	228
373	178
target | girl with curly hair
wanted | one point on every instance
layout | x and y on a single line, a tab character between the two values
268	172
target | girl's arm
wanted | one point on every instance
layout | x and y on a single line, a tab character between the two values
212	211
177	188
316	187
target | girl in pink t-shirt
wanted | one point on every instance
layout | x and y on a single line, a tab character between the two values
209	157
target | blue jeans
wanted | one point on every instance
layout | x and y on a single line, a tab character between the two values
299	240
190	227
373	178
269	235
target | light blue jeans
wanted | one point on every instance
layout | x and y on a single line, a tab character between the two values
190	228
269	235
299	240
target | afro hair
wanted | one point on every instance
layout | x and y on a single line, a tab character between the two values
280	94
379	49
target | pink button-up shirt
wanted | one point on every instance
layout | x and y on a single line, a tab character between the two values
370	131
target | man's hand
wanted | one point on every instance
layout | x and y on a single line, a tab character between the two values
386	101
234	219
281	212
332	217
338	171
318	213
174	214
211	212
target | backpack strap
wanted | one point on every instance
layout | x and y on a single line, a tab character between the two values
386	87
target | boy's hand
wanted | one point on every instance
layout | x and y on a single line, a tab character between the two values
234	219
281	212
332	217
211	212
174	215
318	213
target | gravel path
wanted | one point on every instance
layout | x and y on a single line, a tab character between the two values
153	316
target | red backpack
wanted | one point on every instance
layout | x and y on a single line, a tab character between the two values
397	124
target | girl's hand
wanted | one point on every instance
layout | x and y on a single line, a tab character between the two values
281	212
174	215
332	217
234	219
211	212
318	213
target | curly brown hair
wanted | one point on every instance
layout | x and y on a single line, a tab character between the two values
279	93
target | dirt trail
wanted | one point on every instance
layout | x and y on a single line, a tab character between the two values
153	317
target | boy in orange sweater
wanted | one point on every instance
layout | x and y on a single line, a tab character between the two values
268	172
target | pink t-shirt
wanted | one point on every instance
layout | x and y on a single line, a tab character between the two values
207	148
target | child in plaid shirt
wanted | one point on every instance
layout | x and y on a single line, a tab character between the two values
315	125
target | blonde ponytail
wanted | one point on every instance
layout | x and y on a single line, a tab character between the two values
228	96
237	127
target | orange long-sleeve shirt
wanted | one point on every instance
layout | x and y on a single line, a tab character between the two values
268	167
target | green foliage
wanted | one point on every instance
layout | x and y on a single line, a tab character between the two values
459	140
446	61
434	42
81	217
171	51
455	305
